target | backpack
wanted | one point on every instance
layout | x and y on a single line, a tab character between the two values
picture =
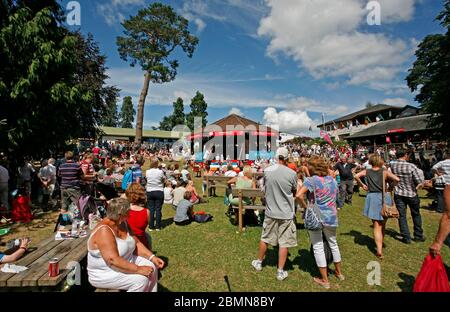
202	218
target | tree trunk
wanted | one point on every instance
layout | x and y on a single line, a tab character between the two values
140	113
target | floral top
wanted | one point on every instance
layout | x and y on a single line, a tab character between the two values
326	192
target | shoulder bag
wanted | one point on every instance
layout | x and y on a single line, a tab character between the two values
388	211
312	220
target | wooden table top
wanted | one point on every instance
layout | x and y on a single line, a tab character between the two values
37	263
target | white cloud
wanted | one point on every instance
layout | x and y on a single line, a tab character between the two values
148	124
235	110
288	120
244	14
228	93
324	37
393	11
112	10
396	102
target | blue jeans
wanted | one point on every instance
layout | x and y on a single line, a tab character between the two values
155	201
414	205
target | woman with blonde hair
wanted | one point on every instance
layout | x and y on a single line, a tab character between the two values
244	182
375	178
323	191
116	258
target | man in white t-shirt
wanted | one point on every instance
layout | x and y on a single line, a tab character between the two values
230	172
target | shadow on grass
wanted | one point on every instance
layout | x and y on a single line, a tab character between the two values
363	240
306	262
271	259
394	234
407	283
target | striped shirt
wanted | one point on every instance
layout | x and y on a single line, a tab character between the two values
410	176
70	173
443	168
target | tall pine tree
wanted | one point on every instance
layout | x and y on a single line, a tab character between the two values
150	40
177	118
127	113
198	110
111	117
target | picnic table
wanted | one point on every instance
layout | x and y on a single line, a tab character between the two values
36	277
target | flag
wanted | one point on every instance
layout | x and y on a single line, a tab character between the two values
334	126
326	137
310	128
380	117
367	120
357	123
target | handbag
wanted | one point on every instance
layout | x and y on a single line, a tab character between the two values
312	220
388	211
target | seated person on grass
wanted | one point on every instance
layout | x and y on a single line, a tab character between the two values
185	210
178	193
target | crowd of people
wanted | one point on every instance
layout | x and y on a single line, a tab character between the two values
306	177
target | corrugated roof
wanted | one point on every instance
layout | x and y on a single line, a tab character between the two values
127	132
409	124
369	110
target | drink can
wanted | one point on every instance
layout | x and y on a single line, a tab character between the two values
53	267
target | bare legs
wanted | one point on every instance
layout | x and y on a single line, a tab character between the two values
378	234
282	254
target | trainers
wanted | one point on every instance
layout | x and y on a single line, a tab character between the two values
157	230
257	264
281	275
151	230
419	239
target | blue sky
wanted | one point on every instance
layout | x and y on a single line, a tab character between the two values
279	62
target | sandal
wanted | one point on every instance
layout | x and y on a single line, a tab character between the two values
322	283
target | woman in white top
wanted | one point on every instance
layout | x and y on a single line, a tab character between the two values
117	259
155	193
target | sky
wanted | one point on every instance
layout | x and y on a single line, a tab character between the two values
279	62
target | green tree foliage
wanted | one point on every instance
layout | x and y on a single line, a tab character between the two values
177	118
150	38
127	113
111	118
51	81
430	75
199	109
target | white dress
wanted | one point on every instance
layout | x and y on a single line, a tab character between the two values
103	276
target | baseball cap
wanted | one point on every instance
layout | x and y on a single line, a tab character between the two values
282	152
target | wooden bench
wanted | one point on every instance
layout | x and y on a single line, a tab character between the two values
250	193
219	182
36	277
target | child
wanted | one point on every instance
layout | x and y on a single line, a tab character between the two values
168	193
64	219
185	210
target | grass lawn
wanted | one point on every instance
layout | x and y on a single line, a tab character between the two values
200	255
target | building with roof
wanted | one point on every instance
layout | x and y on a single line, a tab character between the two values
235	138
151	136
351	124
399	130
